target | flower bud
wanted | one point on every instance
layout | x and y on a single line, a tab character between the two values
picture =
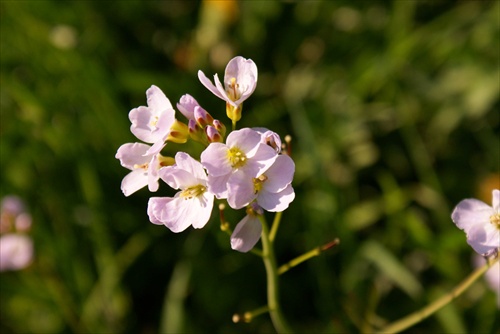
202	117
219	127
213	135
179	133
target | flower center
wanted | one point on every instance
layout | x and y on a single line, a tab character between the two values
258	182
194	191
153	122
233	90
144	166
495	220
236	157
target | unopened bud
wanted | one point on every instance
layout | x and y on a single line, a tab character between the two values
213	135
219	127
179	133
202	117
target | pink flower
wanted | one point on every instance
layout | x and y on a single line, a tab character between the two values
144	166
271	189
16	251
242	157
480	222
190	206
152	124
240	80
247	232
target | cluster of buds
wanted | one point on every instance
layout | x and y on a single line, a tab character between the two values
247	168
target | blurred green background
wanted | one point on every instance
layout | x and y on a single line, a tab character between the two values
393	108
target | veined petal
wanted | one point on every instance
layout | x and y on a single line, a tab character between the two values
177	178
134	181
246	139
217	185
280	174
171	212
186	162
157	99
132	154
259	163
246	234
215	159
240	190
276	202
202	207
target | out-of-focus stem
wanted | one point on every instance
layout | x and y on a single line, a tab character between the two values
435	306
277	318
306	256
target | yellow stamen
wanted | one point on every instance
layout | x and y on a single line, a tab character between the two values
194	191
236	157
495	220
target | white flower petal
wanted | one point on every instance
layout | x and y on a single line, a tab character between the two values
246	234
203	205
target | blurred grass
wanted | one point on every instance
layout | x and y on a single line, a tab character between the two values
393	108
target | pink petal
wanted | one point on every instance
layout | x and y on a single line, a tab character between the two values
134	181
470	213
276	202
246	234
16	251
186	162
246	139
217	185
261	161
186	106
132	154
280	174
214	158
203	206
496	200
157	99
240	190
177	178
209	85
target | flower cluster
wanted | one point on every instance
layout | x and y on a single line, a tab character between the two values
247	168
16	246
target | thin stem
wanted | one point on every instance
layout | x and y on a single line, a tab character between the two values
277	318
276	224
306	256
435	306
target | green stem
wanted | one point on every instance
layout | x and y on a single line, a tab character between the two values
276	224
277	318
306	256
435	306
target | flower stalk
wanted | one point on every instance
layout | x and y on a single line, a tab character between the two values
269	259
416	317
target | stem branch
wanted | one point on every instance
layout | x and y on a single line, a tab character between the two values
439	303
